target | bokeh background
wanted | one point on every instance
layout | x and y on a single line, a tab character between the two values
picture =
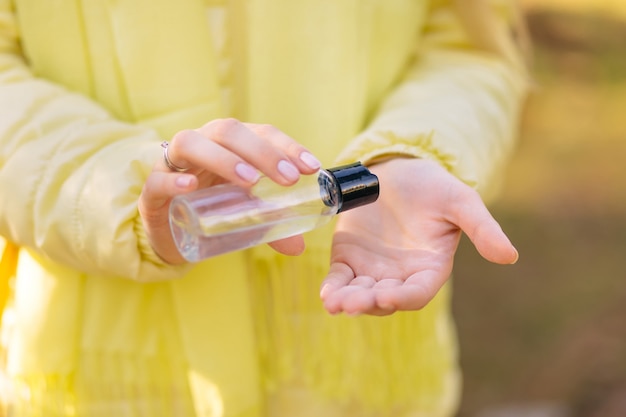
547	336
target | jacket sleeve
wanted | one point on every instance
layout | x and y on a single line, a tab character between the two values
70	174
457	104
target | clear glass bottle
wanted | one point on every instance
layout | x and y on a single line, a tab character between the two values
226	218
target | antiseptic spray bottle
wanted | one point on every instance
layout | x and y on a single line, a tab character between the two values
226	218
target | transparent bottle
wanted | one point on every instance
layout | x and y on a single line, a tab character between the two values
226	218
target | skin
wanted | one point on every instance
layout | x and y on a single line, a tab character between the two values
392	255
400	260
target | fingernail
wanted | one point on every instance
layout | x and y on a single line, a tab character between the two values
324	290
310	161
516	257
184	181
247	173
288	170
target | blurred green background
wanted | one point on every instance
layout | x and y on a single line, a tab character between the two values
547	336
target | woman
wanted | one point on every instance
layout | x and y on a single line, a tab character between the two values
105	319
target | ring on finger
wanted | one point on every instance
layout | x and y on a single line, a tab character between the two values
167	161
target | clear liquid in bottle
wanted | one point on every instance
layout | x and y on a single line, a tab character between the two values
225	218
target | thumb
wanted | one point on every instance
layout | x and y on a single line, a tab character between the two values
485	232
492	243
160	187
291	246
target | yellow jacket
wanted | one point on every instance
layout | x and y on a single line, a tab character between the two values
97	324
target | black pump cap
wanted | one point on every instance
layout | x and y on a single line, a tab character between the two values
358	185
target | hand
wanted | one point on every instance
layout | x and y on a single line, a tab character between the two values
396	253
224	150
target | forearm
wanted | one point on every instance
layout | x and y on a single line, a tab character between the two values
456	104
70	174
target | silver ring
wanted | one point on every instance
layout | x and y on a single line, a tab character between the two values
167	161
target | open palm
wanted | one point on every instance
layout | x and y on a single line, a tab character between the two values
397	253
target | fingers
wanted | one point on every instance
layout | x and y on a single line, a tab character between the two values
338	276
160	187
413	294
238	151
192	150
157	191
472	216
224	150
298	154
342	292
367	296
351	300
